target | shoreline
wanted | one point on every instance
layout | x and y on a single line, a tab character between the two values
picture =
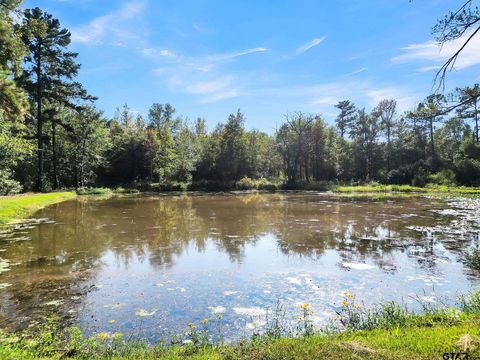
17	207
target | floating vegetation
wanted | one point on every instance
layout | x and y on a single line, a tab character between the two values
114	306
4	265
250	311
145	313
357	266
54	303
229	293
217	309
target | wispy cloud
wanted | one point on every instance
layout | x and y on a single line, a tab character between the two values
203	76
116	28
311	44
322	97
434	54
355	72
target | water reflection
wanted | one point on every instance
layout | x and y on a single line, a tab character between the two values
175	258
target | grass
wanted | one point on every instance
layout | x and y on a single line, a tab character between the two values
17	207
387	331
396	343
379	188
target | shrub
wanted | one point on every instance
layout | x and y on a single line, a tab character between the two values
353	316
247	183
121	190
470	304
8	186
93	191
420	178
472	258
468	172
444	177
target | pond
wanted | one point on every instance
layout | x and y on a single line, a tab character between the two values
148	265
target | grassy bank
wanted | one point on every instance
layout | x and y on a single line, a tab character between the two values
20	206
378	188
385	331
407	342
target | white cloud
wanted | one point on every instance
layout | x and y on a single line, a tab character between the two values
203	76
321	98
305	47
210	87
151	53
432	52
115	28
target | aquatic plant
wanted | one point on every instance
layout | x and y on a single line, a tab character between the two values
353	316
306	327
470	303
472	258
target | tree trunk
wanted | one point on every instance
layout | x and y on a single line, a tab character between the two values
432	144
388	147
40	185
476	120
54	155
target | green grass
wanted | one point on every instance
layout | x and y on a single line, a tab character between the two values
378	188
386	331
397	343
16	207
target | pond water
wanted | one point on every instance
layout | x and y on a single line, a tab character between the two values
148	265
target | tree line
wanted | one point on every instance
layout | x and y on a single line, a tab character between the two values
52	136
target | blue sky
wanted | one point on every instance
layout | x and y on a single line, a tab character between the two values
210	57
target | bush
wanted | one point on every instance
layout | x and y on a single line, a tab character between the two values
247	183
444	177
121	190
8	186
468	172
93	191
169	186
472	258
470	304
420	179
402	175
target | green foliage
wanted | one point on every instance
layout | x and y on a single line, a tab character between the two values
93	191
470	303
247	183
76	147
8	186
375	187
121	190
384	331
445	177
472	259
355	317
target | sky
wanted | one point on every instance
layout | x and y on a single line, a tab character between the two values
209	58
